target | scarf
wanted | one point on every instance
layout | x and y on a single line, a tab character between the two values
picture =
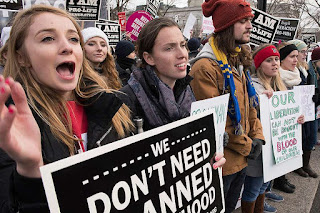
125	63
233	106
163	107
290	78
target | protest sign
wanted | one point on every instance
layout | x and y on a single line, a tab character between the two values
264	27
189	25
219	107
282	152
135	22
112	30
85	10
309	39
153	7
287	29
122	20
167	169
207	25
11	5
307	105
55	3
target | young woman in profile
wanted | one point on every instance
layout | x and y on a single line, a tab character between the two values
97	51
158	90
61	105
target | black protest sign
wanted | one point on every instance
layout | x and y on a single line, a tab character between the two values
167	169
264	27
287	29
153	7
85	10
112	29
309	39
12	5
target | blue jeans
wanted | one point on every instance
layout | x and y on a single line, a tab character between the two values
253	187
232	185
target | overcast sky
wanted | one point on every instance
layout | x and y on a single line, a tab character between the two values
178	3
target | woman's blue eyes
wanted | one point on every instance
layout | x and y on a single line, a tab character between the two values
75	40
47	39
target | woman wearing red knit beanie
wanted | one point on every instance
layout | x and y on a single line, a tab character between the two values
267	79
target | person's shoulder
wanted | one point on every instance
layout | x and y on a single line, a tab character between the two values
204	64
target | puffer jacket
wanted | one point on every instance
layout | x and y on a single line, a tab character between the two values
208	83
24	195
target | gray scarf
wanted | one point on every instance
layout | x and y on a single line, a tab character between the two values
158	100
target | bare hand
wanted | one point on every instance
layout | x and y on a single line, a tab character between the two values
269	93
19	133
300	119
220	160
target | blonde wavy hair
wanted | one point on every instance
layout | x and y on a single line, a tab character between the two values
276	83
50	106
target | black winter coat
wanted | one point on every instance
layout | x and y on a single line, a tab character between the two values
24	195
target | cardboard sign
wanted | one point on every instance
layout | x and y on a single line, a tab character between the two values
189	25
207	25
219	107
11	5
122	20
167	169
307	105
136	21
264	27
112	30
282	152
153	7
55	3
287	29
85	10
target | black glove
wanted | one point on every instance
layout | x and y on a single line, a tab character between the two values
256	148
316	97
225	139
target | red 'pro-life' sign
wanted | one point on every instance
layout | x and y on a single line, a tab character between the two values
136	21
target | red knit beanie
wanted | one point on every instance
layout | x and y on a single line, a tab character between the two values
226	12
315	55
265	53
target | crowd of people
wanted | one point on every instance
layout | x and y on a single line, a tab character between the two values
74	93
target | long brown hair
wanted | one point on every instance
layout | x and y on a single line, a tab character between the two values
50	106
225	42
276	83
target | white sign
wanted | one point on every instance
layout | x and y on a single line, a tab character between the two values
189	25
307	104
219	106
207	25
268	118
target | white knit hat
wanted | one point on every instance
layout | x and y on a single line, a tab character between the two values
91	32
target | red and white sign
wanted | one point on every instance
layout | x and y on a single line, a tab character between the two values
122	20
136	21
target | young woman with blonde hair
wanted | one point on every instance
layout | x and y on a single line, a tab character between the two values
97	51
61	105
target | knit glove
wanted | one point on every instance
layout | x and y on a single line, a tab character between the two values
225	139
256	148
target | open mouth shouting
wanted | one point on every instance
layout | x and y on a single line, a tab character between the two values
66	70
